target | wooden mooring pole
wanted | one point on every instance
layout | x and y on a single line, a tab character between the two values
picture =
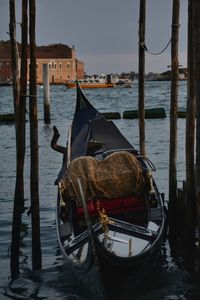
141	81
35	212
190	202
47	117
20	112
173	119
16	221
196	49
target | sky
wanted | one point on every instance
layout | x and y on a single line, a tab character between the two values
105	32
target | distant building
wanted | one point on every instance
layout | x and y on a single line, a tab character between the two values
182	74
61	59
166	76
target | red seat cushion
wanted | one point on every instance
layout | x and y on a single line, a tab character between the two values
113	206
90	208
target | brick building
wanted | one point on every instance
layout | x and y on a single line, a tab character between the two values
62	61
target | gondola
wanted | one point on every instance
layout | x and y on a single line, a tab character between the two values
110	213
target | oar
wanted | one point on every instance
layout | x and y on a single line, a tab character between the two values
87	220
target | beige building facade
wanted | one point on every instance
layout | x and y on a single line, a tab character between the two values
63	64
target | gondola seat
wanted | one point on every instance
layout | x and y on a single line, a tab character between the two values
113	206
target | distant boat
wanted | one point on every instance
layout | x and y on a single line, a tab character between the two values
90	85
103	81
126	83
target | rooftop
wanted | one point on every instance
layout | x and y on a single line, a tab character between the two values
50	51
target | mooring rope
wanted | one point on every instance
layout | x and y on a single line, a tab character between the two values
143	45
153	53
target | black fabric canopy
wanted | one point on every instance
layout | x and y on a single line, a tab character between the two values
89	124
109	135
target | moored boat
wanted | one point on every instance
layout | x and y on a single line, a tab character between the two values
109	209
92	84
125	83
102	81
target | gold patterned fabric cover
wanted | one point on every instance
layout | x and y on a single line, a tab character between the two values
118	175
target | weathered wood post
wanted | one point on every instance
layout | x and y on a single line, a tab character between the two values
196	47
190	203
173	118
16	221
20	111
14	55
35	212
47	117
142	21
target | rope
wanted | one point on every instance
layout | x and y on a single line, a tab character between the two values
176	25
158	53
153	53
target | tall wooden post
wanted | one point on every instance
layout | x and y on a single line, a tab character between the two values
20	109
23	77
35	213
190	132
173	116
142	21
16	221
21	122
196	47
14	55
47	118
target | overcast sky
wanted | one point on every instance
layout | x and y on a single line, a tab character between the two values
105	32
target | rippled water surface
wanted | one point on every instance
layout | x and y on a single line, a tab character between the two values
58	280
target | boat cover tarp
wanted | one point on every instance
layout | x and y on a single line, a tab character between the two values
102	131
88	124
109	135
118	175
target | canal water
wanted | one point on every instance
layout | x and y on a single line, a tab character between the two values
58	280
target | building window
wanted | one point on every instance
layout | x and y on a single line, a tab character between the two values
68	65
68	77
60	65
61	77
49	66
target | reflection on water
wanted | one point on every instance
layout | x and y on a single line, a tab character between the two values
170	280
56	283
